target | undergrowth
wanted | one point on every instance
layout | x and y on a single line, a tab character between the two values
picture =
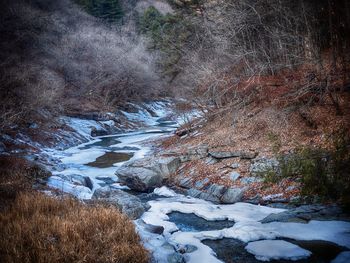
322	172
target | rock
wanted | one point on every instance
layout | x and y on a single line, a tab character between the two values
263	165
234	176
216	190
33	126
195	153
186	182
235	165
126	203
151	228
169	165
146	174
107	179
2	147
98	132
232	154
200	184
176	258
306	213
186	249
78	179
211	160
140	179
232	195
250	180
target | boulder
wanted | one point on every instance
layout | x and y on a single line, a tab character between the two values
232	195
78	179
234	176
126	203
195	153
218	194
186	182
305	213
98	132
232	154
146	174
263	165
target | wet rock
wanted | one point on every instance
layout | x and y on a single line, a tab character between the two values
232	154
151	228
232	195
146	174
98	132
234	176
126	203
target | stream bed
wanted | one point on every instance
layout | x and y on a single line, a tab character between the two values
190	229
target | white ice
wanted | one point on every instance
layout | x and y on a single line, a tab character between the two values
266	250
247	227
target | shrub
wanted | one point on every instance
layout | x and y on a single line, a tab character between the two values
325	173
38	228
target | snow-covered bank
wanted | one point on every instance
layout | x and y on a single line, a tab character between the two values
154	120
247	228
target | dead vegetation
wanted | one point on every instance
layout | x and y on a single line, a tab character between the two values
36	227
39	228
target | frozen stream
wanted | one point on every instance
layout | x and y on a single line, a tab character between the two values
195	230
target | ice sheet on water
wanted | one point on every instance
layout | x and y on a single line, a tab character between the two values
343	257
82	126
266	250
83	156
247	227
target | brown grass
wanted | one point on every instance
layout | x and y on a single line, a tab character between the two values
38	228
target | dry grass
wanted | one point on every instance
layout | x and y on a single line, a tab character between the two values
38	228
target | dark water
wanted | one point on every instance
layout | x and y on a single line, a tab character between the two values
233	250
110	158
193	223
105	142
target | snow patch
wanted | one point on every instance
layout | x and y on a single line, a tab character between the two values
266	250
164	191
